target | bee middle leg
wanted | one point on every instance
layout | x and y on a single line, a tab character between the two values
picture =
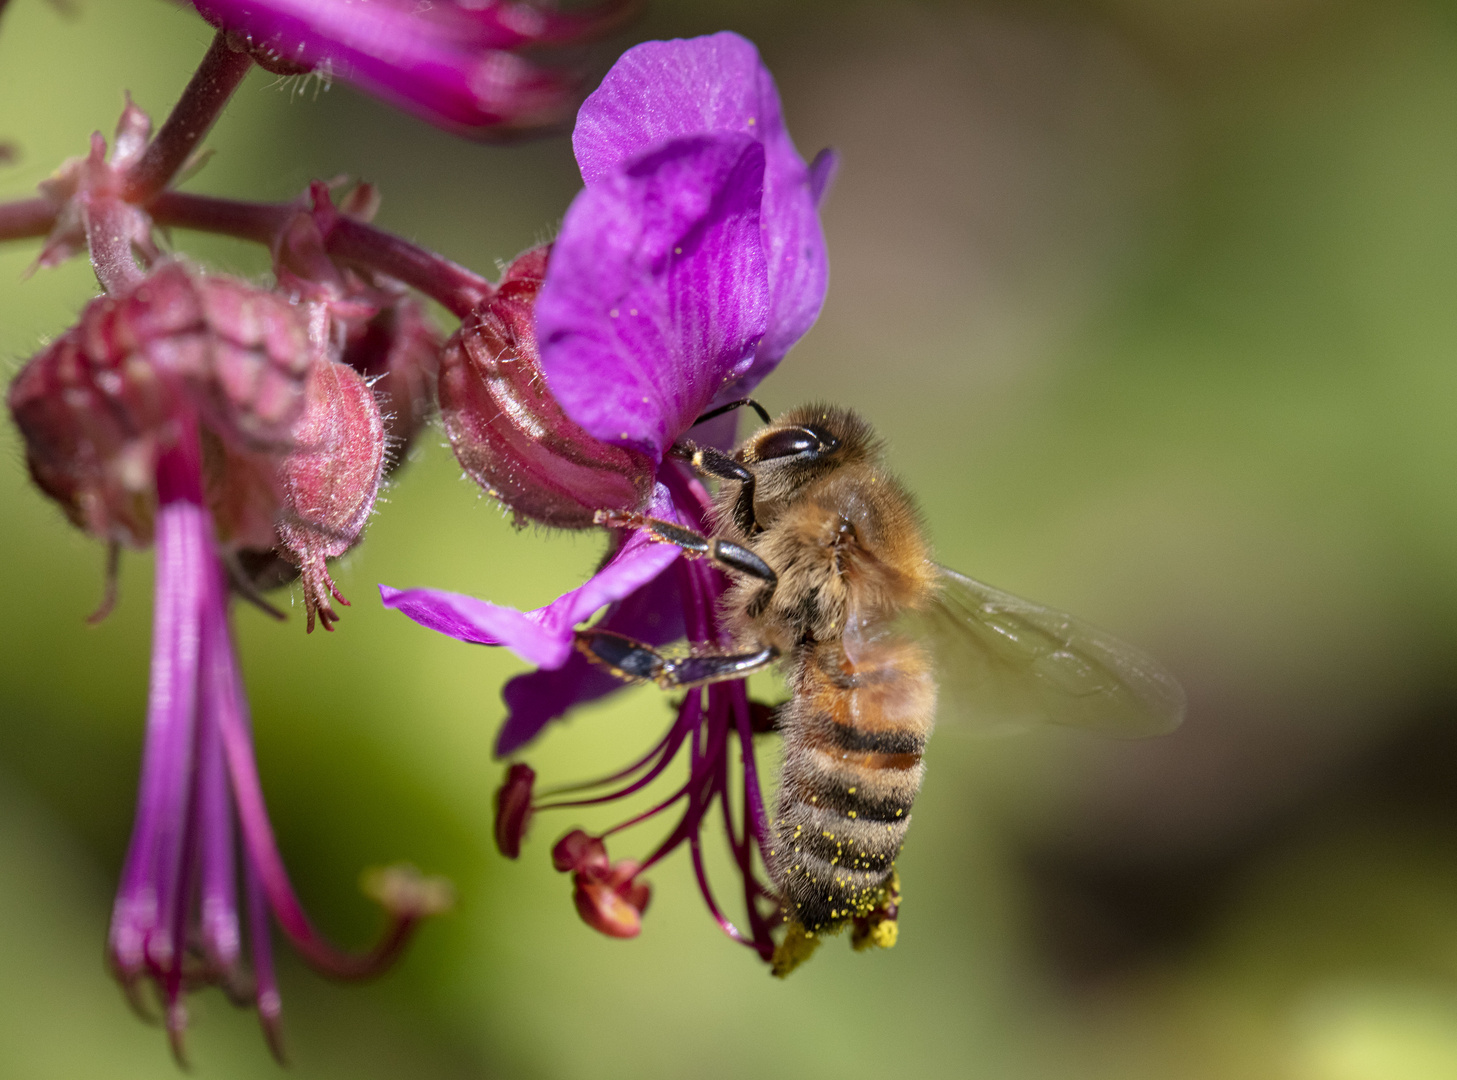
632	661
722	553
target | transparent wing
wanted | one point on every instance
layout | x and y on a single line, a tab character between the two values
1005	662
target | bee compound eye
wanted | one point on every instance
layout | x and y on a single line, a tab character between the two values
793	442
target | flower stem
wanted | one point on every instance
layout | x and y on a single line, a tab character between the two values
26	218
345	238
457	288
221	72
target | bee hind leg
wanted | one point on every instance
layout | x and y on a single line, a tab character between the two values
632	661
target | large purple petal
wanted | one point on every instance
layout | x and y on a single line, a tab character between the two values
653	614
656	295
544	636
664	90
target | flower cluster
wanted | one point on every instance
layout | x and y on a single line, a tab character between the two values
243	432
684	271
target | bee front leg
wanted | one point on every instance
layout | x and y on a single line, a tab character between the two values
722	553
706	461
632	661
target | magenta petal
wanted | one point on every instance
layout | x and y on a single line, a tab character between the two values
664	90
480	622
656	294
822	172
653	614
542	637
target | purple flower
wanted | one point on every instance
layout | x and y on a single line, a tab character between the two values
118	415
683	273
454	63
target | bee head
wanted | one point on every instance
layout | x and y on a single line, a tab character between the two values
800	447
811	436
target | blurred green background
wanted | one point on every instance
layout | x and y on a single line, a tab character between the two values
1154	303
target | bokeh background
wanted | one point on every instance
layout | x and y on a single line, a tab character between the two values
1155	304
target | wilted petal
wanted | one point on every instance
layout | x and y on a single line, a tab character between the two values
544	636
656	294
664	90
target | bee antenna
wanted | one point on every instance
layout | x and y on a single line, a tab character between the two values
731	406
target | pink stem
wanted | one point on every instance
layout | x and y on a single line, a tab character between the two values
26	218
221	73
459	289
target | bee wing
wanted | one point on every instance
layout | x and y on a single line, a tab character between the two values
1002	661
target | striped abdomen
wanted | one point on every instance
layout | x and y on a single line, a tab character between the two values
853	738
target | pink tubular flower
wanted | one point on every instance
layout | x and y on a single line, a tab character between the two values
683	273
454	63
175	407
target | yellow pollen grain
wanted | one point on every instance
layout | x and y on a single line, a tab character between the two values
852	813
612	314
677	251
851	791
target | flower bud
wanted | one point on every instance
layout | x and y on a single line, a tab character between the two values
513	809
507	430
329	483
97	406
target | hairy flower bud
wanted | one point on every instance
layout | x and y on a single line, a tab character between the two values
102	401
507	430
330	481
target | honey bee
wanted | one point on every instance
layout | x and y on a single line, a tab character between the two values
833	577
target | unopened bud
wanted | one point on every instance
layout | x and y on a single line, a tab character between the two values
330	481
96	407
513	808
509	433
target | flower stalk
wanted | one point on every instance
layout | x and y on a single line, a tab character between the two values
221	72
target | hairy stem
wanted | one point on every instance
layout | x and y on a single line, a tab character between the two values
221	72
